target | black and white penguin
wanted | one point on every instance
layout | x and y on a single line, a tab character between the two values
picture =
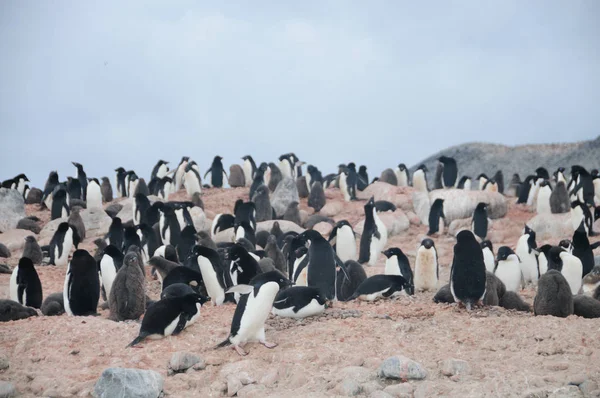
177	182
298	302
159	170
187	275
343	240
259	178
348	279
383	206
169	226
215	274
584	185
437	219
534	190
363	178
131	180
245	211
374	236
427	269
253	309
382	286
25	286
526	251
51	183
419	179
116	233
243	266
249	168
524	189
32	250
543	198
508	269
187	241
120	182
347	181
106	188
61	244
164	261
221	223
17	183
397	263
60	203
581	213
402	175
553	295
499	178
464	183
273	176
490	185
149	241
467	275
176	290
488	256
479	224
286	166
582	249
109	264
216	172
330	181
566	245
164	187
82	285
82	177
73	188
482	179
321	267
169	316
450	172
568	265
94	194
312	175
140	207
192	181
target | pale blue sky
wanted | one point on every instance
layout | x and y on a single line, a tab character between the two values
115	83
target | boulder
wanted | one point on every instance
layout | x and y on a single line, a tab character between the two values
7	390
323	228
380	191
96	222
131	383
459	203
113	209
421	204
15	239
285	193
12	209
458	225
396	223
551	226
182	361
332	209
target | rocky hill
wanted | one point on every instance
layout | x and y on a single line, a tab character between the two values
476	158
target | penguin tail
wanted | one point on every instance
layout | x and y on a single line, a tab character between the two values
222	344
468	306
353	297
137	340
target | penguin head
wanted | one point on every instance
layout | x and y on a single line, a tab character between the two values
271	276
25	262
566	244
545	183
402	167
311	235
488	244
392	251
505	253
482	175
527	230
77	165
120	170
481	206
184	159
272	240
427	243
21	177
113	252
301	251
352	166
554	258
444	159
541	172
465	236
423	168
131	259
30	239
342	223
370	204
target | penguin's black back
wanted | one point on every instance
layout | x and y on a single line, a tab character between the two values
297	297
468	275
582	249
379	282
321	266
29	282
185	275
435	213
84	285
347	282
480	221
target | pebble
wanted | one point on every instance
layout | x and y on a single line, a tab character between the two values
271	378
349	387
557	366
182	361
454	367
371	386
7	390
589	386
402	390
400	367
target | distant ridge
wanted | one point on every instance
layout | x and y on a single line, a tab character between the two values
476	158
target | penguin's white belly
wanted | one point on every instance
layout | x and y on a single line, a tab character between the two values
167	189
14	288
426	278
543	264
533	193
255	314
285	168
576	217
295	267
192	185
48	201
136	216
345	244
194	317
247	168
64	212
308	182
529	267
419	181
391	266
94	196
162	171
377	245
572	270
240	233
109	272
172	326
401	178
67	293
543	201
373	296
180	219
311	309
302	279
213	288
344	187
67	245
467	186
132	188
509	272
488	259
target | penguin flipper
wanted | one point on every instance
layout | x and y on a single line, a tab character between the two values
224	343
241	289
142	336
180	325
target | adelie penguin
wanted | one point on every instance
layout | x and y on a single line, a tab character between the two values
17	183
374	236
420	179
382	286
526	251
169	316
243	266
259	179
397	264
60	206
543	198
245	211
450	171
479	224
402	175
82	177
464	183
299	302
508	269
127	298
363	178
437	219
25	286
583	250
467	275
321	267
569	265
347	181
216	174
249	168
94	194
254	306
51	183
193	183
343	241
427	269
221	223
160	170
82	286
61	244
120	182
488	256
214	273
109	264
179	173
286	166
580	212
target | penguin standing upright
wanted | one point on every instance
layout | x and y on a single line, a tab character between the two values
467	275
141	204
286	166
436	217
107	192
420	179
249	168
582	249
374	236
214	273
488	256
543	198
94	194
571	268
343	240
402	175
179	173
109	264
273	176
25	286
321	267
259	179
450	171
397	263
32	250
347	182
464	183
120	182
479	224
526	251
73	189
514	185
524	189
82	286
243	266
584	185
581	213
115	235
253	309
216	173
559	198
83	182
61	244
60	204
160	170
131	180
508	269
499	178
51	183
192	181
427	269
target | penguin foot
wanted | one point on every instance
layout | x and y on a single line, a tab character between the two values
239	350
268	345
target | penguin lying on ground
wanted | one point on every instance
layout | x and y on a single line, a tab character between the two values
299	302
378	286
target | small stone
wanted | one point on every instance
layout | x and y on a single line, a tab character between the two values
74	352
425	390
349	388
588	387
371	386
122	382
7	390
201	365
252	390
400	367
537	394
271	378
403	390
567	392
557	366
182	361
4	364
454	367
233	386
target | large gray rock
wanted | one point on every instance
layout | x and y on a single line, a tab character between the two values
96	222
130	383
15	239
551	226
400	367
459	203
285	193
12	209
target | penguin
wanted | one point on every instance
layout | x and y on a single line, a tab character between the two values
12	311
427	269
343	241
94	194
363	178
17	183
82	177
437	219
222	222
566	245
292	213
467	274
542	258
321	267
584	186
165	187
243	266
512	301
259	179
140	207
483	179
582	249
316	198
402	175
192	181
120	182
32	250
314	175
397	264
76	222
299	271
499	178
568	265
388	176
479	224
494	289
127	298
553	295
382	286
236	176
331	181
524	189
450	171
420	179
526	251
581	213
490	185
508	269
215	274
534	190
273	252
149	241
25	286
374	236
181	274
217	174
61	244
51	183
244	230
177	182
262	204
273	176
162	264
73	189
106	189
60	206
53	305
559	198
298	302
514	185
159	170
286	166
131	180
82	286
116	234
464	183
249	168
245	211
169	316
253	309
488	255
586	307
444	295
383	206
176	290
109	264
169	226
543	199
348	279
343	183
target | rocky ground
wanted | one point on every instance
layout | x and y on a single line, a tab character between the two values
488	352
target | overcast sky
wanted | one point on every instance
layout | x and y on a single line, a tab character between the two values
114	83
